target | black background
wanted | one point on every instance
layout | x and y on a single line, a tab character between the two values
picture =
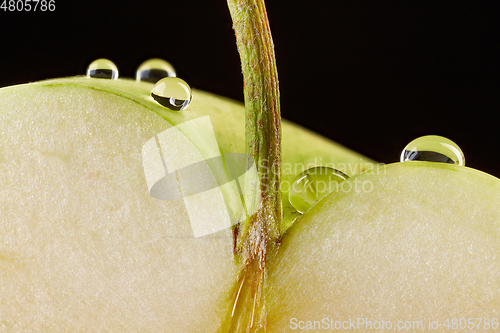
371	75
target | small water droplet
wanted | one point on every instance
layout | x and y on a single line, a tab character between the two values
312	185
102	69
153	70
173	93
433	148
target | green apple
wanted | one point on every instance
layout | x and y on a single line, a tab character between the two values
84	247
409	244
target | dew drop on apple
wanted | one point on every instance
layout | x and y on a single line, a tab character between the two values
102	69
173	93
433	148
153	70
312	185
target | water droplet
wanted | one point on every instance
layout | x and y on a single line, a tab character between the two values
102	69
153	70
312	185
433	148
173	93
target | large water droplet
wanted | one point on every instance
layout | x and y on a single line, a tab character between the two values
172	93
433	148
153	70
102	69
312	185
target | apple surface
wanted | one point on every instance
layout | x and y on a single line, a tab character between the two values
412	244
84	247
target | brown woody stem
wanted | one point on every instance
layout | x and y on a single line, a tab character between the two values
257	236
263	118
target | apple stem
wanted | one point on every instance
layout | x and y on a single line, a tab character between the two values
263	119
258	235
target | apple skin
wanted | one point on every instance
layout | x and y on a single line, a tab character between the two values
412	241
84	247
